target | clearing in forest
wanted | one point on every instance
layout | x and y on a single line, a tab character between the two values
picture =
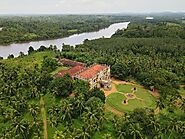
126	97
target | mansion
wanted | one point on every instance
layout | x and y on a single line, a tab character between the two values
98	76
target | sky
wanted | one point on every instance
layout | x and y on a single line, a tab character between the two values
89	6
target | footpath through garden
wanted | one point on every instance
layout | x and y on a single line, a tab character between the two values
114	90
43	111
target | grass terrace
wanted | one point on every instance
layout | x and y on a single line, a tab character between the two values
126	100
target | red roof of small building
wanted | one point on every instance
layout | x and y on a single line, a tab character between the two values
69	62
91	71
72	71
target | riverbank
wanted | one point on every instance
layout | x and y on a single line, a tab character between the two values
51	38
72	40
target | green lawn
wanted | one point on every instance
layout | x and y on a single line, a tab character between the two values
115	100
127	88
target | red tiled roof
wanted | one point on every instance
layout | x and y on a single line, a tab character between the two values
91	71
69	62
71	71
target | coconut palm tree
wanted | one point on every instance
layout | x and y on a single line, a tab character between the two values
135	131
21	128
34	110
67	110
92	125
121	134
101	119
79	101
116	122
59	135
107	136
83	134
36	129
54	115
90	120
155	125
6	134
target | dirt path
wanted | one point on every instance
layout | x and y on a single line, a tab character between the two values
157	110
109	108
124	82
154	93
43	111
114	89
121	82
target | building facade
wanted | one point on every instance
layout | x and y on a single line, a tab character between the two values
98	76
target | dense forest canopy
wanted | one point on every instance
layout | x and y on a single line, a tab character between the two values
28	88
16	29
152	29
155	62
137	56
29	80
23	85
33	28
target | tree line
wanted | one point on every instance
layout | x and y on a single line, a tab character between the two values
16	29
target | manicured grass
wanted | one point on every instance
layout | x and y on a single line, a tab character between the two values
115	100
144	99
148	99
127	88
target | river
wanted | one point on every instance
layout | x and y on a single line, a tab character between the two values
72	40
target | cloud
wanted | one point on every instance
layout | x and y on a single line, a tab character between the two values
108	6
89	6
